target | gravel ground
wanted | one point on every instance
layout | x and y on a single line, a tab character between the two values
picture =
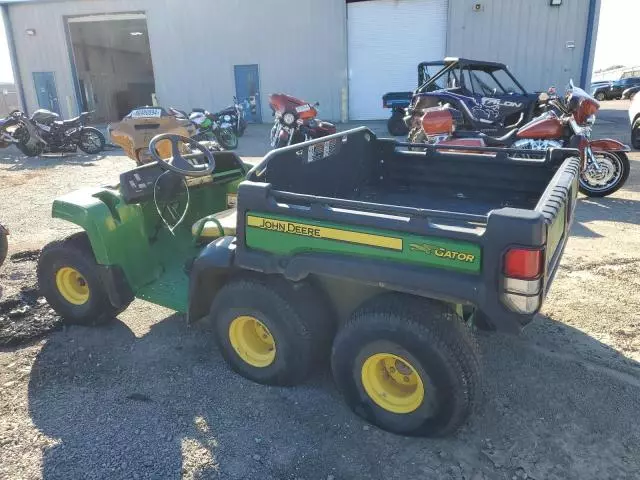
149	397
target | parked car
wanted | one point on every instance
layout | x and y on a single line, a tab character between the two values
614	91
630	92
634	119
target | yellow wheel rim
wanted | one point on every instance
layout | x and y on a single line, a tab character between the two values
252	341
72	286
392	383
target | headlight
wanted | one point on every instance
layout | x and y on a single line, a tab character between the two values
227	118
289	118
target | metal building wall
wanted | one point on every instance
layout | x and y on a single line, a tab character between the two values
530	36
299	46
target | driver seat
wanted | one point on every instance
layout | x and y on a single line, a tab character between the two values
227	219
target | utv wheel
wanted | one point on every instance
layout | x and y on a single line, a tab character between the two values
92	140
407	365
271	331
600	96
68	278
396	125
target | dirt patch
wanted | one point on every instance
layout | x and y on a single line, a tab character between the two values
24	315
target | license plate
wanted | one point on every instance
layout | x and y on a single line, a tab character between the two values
146	113
303	108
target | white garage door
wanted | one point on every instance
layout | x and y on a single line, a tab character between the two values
386	41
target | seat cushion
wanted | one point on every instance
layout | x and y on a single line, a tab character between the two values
227	220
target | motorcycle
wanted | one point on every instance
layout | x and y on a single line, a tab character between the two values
565	122
62	136
4	244
209	126
295	121
236	114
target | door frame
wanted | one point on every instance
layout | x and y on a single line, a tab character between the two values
55	84
96	17
235	86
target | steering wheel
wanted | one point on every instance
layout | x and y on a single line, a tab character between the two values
179	162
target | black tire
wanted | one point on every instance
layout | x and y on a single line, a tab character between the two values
4	246
227	138
433	340
74	252
396	125
295	315
242	128
625	166
635	134
31	149
600	96
91	141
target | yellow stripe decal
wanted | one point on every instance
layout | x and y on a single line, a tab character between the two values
326	233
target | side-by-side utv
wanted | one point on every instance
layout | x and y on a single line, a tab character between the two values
347	246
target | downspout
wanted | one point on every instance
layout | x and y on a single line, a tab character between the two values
17	78
587	44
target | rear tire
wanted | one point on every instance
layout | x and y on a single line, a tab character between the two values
396	125
69	279
91	141
600	96
431	349
294	328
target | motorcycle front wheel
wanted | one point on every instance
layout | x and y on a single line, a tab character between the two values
91	140
612	174
227	138
31	149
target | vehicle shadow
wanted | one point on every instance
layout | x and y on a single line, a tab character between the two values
558	404
16	161
607	209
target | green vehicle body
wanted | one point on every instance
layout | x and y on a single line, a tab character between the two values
143	259
119	234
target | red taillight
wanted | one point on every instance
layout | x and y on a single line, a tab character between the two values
523	263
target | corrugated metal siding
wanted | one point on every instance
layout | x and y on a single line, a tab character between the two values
298	44
530	36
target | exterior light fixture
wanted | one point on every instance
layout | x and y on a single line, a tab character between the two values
555	3
31	32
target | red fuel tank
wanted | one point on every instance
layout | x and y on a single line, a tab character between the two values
543	128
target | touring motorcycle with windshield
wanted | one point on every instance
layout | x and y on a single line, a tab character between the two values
295	121
62	136
565	123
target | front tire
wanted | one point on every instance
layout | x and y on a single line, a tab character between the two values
600	96
227	138
270	330
396	125
407	365
91	141
69	279
635	134
31	149
590	184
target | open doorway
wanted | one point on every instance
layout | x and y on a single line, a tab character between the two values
113	64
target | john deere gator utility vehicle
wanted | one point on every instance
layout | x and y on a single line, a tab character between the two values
347	246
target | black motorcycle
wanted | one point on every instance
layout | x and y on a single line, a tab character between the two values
235	115
62	136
